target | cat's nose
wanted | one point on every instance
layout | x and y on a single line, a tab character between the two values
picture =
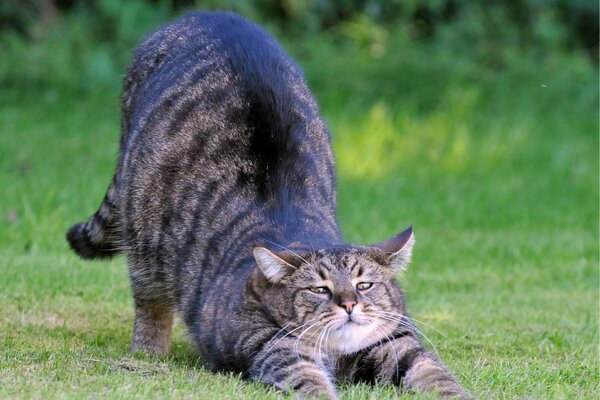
348	305
347	300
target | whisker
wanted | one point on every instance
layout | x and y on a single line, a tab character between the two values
407	322
328	332
318	347
377	326
297	341
390	337
288	249
325	333
410	326
288	333
427	325
416	320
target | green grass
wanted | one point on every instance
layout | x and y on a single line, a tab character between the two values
497	169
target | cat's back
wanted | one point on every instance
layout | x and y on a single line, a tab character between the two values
214	80
216	64
215	110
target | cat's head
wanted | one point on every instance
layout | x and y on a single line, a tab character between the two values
342	298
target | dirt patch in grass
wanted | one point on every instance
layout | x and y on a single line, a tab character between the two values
139	367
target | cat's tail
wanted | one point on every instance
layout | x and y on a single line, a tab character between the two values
98	237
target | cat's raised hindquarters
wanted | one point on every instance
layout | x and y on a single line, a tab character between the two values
224	204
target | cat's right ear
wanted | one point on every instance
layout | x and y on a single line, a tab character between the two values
274	265
397	251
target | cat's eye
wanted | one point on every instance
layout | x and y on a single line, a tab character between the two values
364	285
319	290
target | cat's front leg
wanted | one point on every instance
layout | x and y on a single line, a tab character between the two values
290	367
404	361
427	373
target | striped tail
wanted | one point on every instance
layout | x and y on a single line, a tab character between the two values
99	237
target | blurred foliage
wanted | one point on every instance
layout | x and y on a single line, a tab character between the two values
80	44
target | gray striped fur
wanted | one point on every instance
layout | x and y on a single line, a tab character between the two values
224	204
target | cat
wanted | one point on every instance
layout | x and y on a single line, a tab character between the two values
224	203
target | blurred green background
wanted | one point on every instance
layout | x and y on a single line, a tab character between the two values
80	44
475	121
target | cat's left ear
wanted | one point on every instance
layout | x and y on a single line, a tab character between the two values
274	265
397	251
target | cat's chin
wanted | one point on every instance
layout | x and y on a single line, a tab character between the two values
351	337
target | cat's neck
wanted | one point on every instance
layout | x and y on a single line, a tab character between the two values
303	228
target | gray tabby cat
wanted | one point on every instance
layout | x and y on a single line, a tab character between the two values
224	203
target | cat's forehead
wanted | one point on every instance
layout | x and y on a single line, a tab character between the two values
347	260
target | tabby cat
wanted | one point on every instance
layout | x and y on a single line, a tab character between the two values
224	203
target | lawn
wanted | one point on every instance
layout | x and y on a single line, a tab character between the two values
496	168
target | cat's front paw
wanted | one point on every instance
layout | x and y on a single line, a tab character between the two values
439	382
316	393
301	377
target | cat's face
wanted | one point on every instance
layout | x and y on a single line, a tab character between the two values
341	299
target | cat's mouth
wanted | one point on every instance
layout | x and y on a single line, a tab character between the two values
351	334
354	320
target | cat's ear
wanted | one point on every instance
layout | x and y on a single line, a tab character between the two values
397	251
274	265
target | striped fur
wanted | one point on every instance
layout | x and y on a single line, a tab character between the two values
224	203
98	237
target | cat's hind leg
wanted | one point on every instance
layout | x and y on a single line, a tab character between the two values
152	329
154	306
